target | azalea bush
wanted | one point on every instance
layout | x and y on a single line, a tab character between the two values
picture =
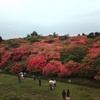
18	55
97	77
36	64
73	68
52	68
4	58
16	68
52	55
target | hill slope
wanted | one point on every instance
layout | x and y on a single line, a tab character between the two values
29	89
60	56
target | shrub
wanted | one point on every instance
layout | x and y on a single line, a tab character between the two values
0	39
91	35
32	40
74	53
63	37
14	45
97	33
49	41
7	48
36	64
73	68
97	77
34	33
52	68
5	57
55	35
97	61
16	68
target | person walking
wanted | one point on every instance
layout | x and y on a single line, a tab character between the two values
55	83
19	77
64	95
68	95
39	82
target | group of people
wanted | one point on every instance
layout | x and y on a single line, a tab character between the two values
66	95
52	83
21	76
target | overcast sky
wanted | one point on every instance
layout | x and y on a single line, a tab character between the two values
21	17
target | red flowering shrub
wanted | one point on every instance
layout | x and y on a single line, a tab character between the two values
79	42
97	44
82	42
93	55
16	58
53	55
56	68
16	68
58	48
4	58
72	67
92	61
52	68
97	77
41	62
95	47
94	50
56	39
74	42
19	54
36	64
63	71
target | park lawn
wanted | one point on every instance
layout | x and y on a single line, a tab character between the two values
29	89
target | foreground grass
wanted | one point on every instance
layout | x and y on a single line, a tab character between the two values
29	89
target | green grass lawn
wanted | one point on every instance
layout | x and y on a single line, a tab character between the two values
29	89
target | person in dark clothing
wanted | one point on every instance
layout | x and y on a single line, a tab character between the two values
64	95
19	77
39	82
68	95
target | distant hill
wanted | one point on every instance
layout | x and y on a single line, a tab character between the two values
61	56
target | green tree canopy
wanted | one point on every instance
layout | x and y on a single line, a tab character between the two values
34	33
0	39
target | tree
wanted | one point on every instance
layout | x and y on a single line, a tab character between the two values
28	35
64	37
34	33
0	39
97	34
54	34
91	35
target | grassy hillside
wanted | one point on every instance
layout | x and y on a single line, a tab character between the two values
29	89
